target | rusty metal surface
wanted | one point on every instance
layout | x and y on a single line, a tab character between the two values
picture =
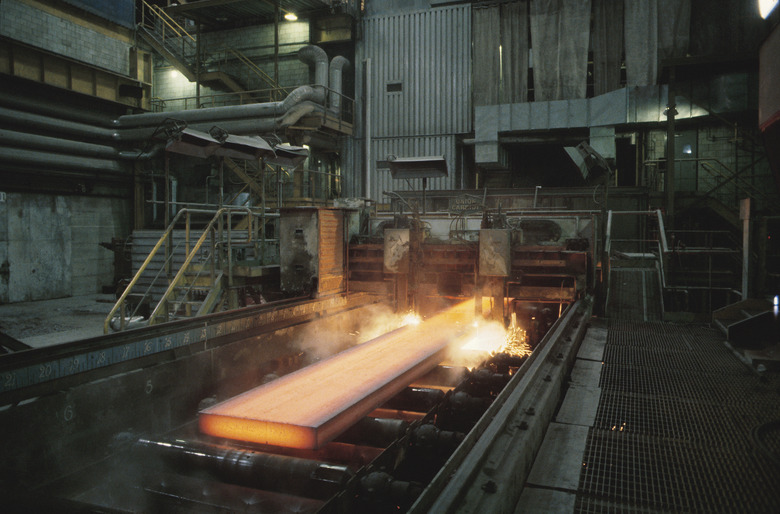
495	252
331	251
298	249
396	250
312	245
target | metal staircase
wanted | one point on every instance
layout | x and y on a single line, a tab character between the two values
169	38
634	268
180	48
183	276
658	271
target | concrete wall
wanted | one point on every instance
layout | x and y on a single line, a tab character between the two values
175	89
59	33
49	245
257	43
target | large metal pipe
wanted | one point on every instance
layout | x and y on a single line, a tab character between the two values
215	115
292	475
338	66
52	109
376	432
76	130
316	56
58	161
367	129
34	141
242	119
259	125
418	399
13	139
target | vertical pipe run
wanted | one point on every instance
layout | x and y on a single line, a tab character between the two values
169	239
262	207
367	126
197	66
277	13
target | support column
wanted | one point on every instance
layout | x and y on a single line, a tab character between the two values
670	112
138	196
277	13
744	215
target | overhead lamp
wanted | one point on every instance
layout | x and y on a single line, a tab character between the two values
290	16
288	156
765	7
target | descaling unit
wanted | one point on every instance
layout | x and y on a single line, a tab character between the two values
424	348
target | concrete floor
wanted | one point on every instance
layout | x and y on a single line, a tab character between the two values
51	322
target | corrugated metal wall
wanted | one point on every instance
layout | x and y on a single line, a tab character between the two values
428	53
421	91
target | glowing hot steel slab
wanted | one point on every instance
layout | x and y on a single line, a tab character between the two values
311	406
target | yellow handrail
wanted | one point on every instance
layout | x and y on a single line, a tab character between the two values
175	282
168	20
143	267
258	71
121	301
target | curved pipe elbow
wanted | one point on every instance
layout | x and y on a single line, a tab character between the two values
302	94
295	114
316	56
138	155
338	66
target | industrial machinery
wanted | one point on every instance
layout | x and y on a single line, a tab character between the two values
404	339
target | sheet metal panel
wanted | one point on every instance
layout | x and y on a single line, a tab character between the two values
352	168
411	147
421	64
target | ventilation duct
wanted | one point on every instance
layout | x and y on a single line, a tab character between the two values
87	141
338	66
316	56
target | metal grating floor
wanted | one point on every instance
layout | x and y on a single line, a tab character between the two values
681	426
634	294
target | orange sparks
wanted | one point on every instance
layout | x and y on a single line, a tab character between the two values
311	406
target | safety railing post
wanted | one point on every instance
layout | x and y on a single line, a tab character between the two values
230	247
187	306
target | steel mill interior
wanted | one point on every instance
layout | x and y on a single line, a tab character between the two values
380	256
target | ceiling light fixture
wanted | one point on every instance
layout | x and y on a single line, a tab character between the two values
290	16
765	7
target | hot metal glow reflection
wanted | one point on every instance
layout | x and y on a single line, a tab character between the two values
311	406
